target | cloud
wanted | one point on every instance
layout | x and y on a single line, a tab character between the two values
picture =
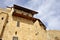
48	12
17	2
33	4
9	2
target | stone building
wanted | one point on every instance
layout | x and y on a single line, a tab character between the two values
54	34
18	23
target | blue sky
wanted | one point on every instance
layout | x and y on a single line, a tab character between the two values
49	10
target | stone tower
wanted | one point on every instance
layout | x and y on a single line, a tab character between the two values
18	23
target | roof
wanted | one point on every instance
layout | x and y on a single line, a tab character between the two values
24	9
29	18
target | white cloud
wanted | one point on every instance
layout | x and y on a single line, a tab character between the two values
9	2
33	4
48	12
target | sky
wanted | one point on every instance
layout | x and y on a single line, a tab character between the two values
48	10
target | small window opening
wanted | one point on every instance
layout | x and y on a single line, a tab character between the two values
15	38
2	18
16	33
18	23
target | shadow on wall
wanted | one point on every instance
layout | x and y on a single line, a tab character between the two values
22	20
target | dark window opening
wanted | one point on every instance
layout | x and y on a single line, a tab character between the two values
2	18
18	23
16	33
0	39
15	38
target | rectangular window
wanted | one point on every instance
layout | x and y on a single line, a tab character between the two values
15	38
18	23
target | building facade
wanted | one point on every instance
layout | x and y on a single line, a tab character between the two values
18	23
54	34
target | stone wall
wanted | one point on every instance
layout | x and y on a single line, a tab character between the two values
54	34
27	30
